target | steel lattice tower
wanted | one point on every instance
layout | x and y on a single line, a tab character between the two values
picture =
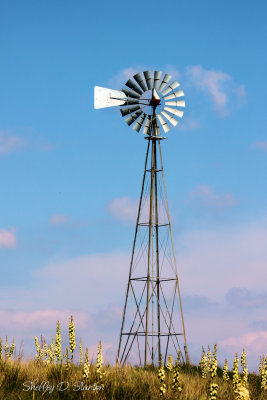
152	323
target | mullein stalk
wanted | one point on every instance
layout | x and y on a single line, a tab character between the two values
161	376
1	350
213	388
58	343
203	364
72	342
86	367
81	352
66	356
263	374
99	362
170	363
11	349
176	388
244	368
6	349
225	371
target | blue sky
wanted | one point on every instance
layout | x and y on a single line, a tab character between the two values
64	167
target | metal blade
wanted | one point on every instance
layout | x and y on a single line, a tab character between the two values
133	117
164	82
139	123
133	86
171	119
175	95
164	124
140	81
108	97
129	110
130	93
157	75
147	125
148	79
176	103
179	113
171	87
131	102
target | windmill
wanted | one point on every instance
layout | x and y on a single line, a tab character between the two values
152	322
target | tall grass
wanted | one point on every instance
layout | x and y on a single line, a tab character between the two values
53	376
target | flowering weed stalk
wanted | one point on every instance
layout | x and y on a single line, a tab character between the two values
176	388
99	362
225	371
170	363
1	350
81	352
58	343
263	373
244	368
203	364
213	387
86	367
72	342
161	376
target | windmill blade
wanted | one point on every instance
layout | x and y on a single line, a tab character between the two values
140	81
164	124
133	86
176	103
133	117
157	75
171	119
164	82
148	79
171	87
131	102
174	95
130	93
104	97
129	110
179	113
138	125
147	125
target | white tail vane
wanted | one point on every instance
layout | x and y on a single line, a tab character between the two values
145	102
108	97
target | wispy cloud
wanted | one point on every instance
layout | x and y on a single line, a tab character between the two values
7	238
261	144
189	124
123	208
204	195
218	85
59	219
253	342
242	298
9	142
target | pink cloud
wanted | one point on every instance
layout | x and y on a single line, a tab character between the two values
7	238
123	208
253	342
205	195
261	145
40	319
9	142
59	219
